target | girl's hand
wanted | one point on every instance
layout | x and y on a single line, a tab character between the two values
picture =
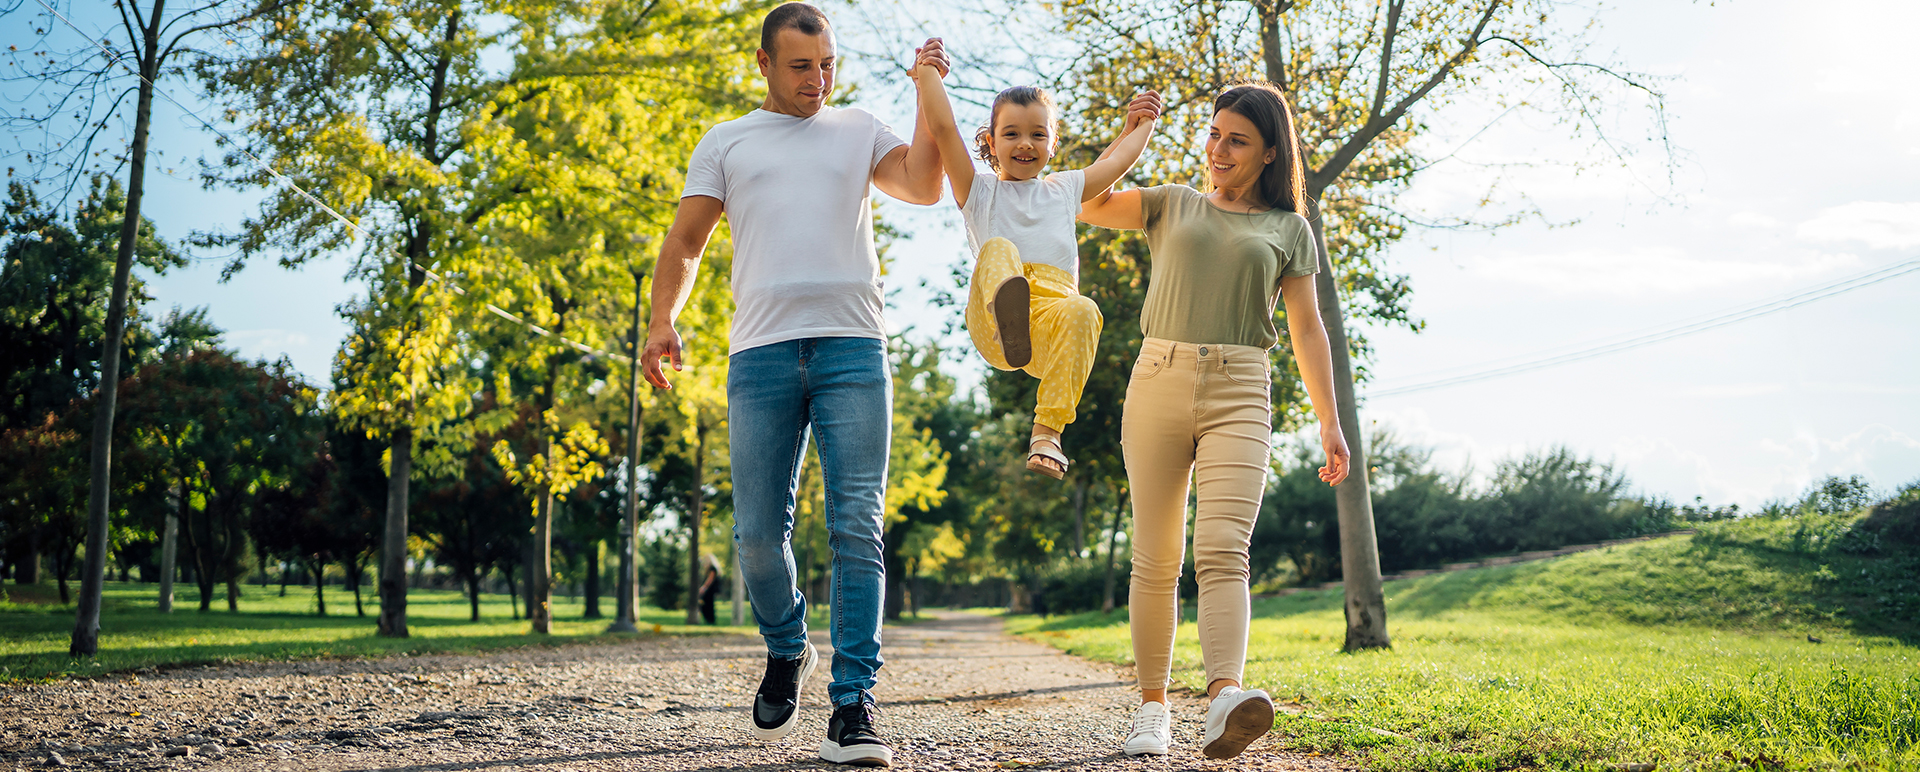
932	54
1338	457
1144	108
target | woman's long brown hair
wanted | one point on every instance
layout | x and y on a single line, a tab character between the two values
1283	183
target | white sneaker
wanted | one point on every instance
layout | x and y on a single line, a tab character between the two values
1152	730
1235	719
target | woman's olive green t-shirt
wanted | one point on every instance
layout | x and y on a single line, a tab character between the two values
1216	274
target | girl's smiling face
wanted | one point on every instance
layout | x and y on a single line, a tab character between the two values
1236	153
1022	140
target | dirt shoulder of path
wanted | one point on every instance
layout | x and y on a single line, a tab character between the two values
956	693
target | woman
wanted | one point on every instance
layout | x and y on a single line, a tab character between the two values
1199	402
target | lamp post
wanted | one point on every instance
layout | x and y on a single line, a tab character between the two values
629	584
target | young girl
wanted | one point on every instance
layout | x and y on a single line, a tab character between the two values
1024	310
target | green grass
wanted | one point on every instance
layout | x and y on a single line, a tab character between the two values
35	629
1691	652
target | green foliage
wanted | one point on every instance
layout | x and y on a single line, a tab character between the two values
213	433
663	571
1424	517
56	276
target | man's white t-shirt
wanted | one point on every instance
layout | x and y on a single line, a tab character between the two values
1036	215
796	197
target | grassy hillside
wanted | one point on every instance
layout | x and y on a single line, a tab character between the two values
1689	652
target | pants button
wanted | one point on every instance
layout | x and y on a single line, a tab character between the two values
1203	351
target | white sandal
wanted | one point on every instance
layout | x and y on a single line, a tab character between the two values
1042	447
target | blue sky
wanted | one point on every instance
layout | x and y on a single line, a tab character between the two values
1800	157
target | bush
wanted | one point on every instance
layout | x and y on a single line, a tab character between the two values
663	571
1893	524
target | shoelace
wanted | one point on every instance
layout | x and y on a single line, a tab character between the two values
1144	722
779	678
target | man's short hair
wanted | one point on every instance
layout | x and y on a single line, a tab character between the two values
800	16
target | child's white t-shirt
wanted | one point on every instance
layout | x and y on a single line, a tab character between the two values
1036	215
796	197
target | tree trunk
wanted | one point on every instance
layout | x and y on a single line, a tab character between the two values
890	544
1113	540
592	610
233	594
513	596
541	608
695	509
28	571
1366	605
284	575
473	595
204	580
86	626
629	584
354	569
1080	516
62	566
393	541
319	569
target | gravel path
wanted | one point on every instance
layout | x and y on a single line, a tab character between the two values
956	693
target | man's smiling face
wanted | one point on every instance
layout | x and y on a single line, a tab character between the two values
799	71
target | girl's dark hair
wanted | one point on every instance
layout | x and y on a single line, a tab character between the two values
1018	95
1283	183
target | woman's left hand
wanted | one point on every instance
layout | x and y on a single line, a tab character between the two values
1337	455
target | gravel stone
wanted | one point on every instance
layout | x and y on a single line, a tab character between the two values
956	694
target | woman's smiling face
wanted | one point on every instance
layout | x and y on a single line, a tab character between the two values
1022	140
1236	155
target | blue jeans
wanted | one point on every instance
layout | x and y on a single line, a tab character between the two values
839	391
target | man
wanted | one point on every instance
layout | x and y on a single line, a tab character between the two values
807	354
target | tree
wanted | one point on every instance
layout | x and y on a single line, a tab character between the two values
392	110
155	43
227	430
55	289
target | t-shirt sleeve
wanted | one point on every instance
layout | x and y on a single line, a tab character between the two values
1302	258
884	141
1153	206
1073	187
706	176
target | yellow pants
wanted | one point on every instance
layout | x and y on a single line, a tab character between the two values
1065	328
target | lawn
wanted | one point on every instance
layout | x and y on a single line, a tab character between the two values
35	628
1689	652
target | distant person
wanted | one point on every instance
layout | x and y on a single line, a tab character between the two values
1024	307
1199	402
807	358
709	587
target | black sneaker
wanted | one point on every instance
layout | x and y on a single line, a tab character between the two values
852	738
777	704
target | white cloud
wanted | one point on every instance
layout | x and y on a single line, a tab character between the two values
1877	224
1639	271
1752	221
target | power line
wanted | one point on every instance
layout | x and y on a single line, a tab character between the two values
351	225
1671	331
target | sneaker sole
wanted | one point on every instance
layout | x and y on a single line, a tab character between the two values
1011	304
1246	723
1157	750
786	727
856	755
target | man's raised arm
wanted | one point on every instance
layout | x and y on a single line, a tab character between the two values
673	276
913	173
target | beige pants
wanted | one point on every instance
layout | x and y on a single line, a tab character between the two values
1065	328
1201	411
